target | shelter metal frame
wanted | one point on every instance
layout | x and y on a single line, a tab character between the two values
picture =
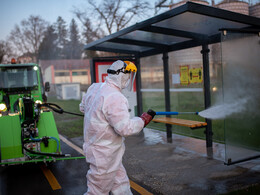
186	26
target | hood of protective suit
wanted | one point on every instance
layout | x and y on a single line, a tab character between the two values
121	80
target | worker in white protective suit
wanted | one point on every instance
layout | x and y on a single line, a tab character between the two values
106	123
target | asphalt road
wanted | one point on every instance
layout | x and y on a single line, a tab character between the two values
180	167
66	177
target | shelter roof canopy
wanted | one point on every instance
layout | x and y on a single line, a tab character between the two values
183	27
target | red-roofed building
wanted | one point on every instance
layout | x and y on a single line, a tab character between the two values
66	71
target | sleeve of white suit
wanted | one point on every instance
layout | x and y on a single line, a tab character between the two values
116	112
82	104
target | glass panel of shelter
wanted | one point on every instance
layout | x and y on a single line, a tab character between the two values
185	95
153	86
241	94
154	37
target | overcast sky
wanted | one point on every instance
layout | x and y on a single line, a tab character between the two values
14	11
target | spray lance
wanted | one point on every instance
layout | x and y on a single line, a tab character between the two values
153	113
176	113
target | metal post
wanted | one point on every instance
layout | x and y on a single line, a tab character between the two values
138	87
92	71
207	101
167	93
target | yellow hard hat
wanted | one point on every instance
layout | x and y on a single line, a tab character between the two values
130	66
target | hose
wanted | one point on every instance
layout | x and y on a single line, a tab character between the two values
57	142
41	153
36	140
46	154
57	109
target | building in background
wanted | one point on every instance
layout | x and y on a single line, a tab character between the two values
68	78
66	71
26	58
254	10
239	6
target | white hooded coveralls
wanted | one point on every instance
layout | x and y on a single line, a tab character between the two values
106	123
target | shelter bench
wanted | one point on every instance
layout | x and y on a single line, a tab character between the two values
180	122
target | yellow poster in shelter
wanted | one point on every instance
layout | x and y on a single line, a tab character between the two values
195	75
184	75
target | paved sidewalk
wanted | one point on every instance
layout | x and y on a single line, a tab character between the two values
182	167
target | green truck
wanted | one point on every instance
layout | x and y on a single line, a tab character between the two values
28	131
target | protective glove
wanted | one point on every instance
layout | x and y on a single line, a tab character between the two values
147	116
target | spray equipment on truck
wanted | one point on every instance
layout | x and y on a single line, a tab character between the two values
28	130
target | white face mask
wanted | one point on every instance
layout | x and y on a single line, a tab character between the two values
125	80
128	81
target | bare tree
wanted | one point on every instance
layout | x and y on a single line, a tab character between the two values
158	5
27	36
5	50
110	16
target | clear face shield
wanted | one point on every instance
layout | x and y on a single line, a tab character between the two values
131	69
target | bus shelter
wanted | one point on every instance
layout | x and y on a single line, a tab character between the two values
231	37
